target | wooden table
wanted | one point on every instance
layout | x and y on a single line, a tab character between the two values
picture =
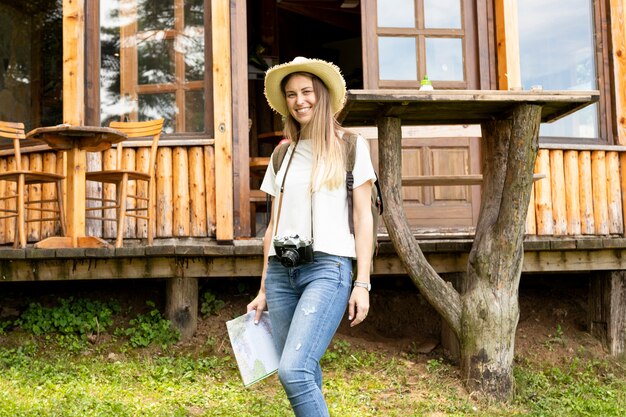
77	141
483	311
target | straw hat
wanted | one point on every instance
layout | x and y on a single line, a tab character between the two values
329	73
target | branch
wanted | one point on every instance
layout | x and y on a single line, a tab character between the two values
441	295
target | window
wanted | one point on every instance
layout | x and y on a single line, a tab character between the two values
566	62
418	38
31	62
153	63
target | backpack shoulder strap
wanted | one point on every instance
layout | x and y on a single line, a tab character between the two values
349	147
349	144
279	155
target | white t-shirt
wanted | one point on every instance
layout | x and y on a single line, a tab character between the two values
331	232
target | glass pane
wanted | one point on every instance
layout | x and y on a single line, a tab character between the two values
194	13
157	53
111	104
31	62
154	14
566	62
444	59
192	40
155	60
443	14
154	106
194	111
397	59
396	13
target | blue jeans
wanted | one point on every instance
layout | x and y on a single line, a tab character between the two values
306	305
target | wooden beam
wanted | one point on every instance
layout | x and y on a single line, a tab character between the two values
448	180
507	37
73	62
222	111
618	33
241	147
607	310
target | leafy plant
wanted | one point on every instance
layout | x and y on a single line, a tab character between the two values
555	339
210	304
150	328
70	316
4	325
339	350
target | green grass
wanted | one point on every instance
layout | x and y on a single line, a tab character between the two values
40	378
88	358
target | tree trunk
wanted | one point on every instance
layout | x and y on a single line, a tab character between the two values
490	309
441	295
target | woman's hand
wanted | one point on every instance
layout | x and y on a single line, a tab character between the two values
259	303
359	304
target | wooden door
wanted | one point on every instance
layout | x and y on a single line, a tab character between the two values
405	41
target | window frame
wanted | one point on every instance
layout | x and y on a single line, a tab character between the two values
92	79
467	33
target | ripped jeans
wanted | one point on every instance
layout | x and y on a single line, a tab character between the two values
306	305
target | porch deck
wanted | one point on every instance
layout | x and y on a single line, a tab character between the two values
202	258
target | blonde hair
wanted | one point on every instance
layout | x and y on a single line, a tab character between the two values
325	133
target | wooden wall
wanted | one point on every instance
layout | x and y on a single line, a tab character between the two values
185	181
582	193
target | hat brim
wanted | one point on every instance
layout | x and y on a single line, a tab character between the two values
329	73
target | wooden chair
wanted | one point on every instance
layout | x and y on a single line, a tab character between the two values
22	178
120	177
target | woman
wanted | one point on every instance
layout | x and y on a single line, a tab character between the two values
307	298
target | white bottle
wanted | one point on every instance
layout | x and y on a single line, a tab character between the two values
426	85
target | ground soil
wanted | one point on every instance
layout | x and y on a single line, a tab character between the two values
552	326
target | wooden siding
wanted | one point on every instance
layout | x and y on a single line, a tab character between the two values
186	203
582	193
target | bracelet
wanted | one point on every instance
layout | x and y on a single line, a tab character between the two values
365	285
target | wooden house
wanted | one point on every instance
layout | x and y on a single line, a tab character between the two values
199	64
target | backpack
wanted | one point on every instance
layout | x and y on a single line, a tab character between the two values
349	149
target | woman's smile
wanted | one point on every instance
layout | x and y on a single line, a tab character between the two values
300	98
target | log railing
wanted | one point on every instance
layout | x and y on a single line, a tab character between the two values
582	192
185	180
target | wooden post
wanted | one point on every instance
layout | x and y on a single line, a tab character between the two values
222	98
543	197
557	177
618	32
94	190
181	305
598	186
74	63
607	309
588	224
109	162
165	211
613	193
209	170
241	146
572	193
197	192
142	160
130	223
507	37
49	192
180	181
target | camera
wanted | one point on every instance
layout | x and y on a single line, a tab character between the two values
293	250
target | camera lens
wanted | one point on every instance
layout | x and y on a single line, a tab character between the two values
289	258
